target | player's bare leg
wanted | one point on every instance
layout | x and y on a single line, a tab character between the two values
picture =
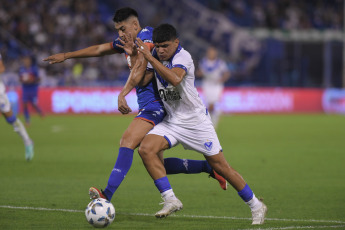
131	138
151	153
221	166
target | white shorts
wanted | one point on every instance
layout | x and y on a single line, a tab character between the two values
201	138
5	105
212	92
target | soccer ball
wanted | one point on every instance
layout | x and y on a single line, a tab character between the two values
100	213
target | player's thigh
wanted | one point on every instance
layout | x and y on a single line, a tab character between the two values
135	133
153	145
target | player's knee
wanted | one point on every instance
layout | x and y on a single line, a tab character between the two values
128	141
146	151
143	151
124	142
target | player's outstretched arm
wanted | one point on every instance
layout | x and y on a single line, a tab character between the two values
92	51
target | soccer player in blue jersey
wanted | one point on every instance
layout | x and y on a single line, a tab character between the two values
6	111
151	110
28	75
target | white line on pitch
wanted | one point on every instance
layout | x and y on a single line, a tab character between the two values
298	227
186	216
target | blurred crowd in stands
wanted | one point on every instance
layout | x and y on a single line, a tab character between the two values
42	28
282	14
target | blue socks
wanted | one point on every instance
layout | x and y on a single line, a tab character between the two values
162	184
246	193
122	166
11	119
172	166
177	165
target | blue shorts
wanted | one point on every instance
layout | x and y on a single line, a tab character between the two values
30	96
153	113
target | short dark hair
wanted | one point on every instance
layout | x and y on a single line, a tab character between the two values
124	13
163	33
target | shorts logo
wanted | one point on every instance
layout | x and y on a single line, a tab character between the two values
208	145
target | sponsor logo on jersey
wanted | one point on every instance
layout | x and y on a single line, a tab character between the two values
169	94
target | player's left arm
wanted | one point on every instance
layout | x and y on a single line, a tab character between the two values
174	76
121	100
137	77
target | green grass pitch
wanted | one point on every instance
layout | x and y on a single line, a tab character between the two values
296	163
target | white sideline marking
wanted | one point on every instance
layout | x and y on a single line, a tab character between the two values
40	209
239	218
297	227
204	217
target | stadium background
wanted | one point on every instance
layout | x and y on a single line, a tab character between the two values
286	57
273	45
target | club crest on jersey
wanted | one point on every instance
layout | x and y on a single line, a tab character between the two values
208	145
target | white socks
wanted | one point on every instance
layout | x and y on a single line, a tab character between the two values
20	129
168	195
254	203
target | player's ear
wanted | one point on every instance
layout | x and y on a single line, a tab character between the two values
176	42
136	25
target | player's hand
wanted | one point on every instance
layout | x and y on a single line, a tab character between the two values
122	105
128	44
142	48
56	58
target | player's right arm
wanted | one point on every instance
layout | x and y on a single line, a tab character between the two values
2	67
138	76
92	51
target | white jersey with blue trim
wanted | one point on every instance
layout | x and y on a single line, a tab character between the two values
182	103
213	70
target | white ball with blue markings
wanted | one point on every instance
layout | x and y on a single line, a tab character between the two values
100	213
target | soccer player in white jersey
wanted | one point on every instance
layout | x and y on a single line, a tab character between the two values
5	109
215	73
187	122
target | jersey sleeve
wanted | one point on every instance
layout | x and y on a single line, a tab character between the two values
146	36
182	60
115	47
149	67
